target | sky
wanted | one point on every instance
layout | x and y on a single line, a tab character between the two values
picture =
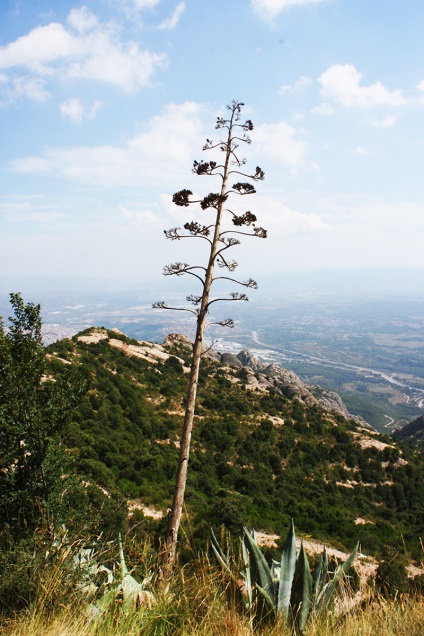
105	104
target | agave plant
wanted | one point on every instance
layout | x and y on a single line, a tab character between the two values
101	585
287	588
124	586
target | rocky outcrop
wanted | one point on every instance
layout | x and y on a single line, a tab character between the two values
261	376
290	385
249	360
179	339
231	360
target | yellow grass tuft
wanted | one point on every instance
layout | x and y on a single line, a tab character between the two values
199	601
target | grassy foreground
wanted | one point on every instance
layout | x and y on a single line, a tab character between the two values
197	602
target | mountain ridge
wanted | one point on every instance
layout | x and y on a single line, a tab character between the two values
258	456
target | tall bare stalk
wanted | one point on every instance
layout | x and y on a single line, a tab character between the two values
219	242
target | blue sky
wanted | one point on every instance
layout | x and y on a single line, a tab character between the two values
105	104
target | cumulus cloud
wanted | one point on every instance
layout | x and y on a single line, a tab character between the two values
284	220
76	111
138	217
385	122
141	5
281	142
85	50
299	85
323	109
342	83
170	141
82	20
13	89
269	9
134	9
172	22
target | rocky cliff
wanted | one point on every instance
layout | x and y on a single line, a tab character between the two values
262	376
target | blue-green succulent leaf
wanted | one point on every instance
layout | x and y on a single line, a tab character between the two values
301	596
287	568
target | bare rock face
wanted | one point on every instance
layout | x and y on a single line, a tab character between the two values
275	372
249	360
231	360
330	400
265	376
177	338
289	384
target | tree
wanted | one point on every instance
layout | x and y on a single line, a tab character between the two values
33	409
219	240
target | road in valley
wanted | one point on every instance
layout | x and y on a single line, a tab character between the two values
391	379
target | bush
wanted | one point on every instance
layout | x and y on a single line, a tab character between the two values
392	578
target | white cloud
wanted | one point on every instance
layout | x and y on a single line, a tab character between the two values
386	122
75	110
133	9
359	150
300	85
139	218
143	4
31	209
280	142
93	53
12	89
40	47
160	155
323	109
284	220
342	83
82	20
269	9
172	22
420	86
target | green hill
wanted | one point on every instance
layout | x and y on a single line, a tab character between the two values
258	457
412	433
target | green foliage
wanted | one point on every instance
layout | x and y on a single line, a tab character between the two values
392	578
35	486
18	580
244	468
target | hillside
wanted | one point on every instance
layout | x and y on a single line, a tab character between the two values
412	433
260	453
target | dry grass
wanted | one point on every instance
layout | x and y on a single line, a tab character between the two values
380	618
198	601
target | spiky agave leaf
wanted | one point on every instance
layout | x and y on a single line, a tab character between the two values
132	593
247	576
301	594
287	569
222	558
320	575
327	592
261	575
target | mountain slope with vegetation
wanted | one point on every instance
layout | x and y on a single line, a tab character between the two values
412	433
258	456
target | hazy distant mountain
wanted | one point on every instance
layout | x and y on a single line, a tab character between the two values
384	282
